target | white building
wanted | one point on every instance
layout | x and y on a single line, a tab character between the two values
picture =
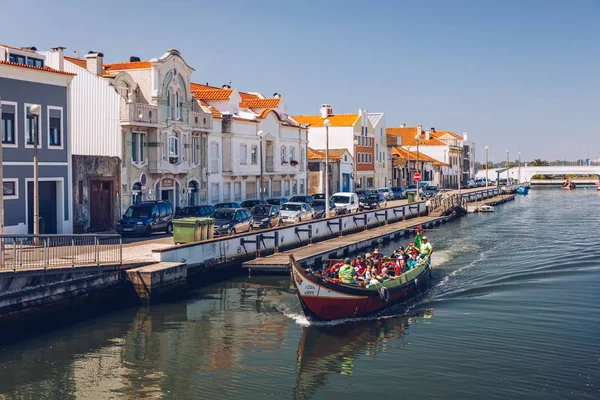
350	131
138	134
382	157
246	125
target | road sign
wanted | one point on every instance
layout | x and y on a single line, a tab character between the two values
417	177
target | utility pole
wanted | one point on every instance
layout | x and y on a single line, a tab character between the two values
418	137
260	135
35	111
327	123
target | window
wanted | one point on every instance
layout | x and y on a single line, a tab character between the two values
54	132
250	190
214	157
227	191
302	159
237	191
134	146
302	186
137	147
254	155
294	187
195	149
174	148
369	182
377	151
292	154
169	105
8	127
35	62
283	154
15	58
214	195
243	154
136	193
9	188
177	106
29	129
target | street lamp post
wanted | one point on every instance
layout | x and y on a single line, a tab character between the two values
327	123
507	168
519	168
354	166
260	135
1	192
487	167
35	110
417	138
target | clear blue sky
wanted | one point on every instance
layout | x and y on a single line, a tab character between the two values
513	74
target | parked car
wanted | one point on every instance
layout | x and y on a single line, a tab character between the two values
265	216
227	205
362	193
425	183
195	211
319	208
387	193
411	189
229	221
479	182
249	204
345	202
293	212
147	217
318	196
503	182
277	202
302	199
372	202
430	191
398	192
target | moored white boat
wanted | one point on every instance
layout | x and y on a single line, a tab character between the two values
486	208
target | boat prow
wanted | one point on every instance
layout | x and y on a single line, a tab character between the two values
325	299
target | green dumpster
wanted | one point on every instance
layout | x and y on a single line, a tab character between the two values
186	230
411	197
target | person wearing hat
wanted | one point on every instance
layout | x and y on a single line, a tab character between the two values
346	273
426	248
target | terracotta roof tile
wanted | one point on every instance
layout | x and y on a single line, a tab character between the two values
336	119
83	64
262	103
215	113
199	86
45	69
320	155
439	134
213	94
408	137
249	96
335	152
18	48
128	65
404	154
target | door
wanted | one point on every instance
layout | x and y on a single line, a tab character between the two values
345	182
101	206
47	202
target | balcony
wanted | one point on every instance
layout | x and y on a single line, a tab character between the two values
134	113
199	120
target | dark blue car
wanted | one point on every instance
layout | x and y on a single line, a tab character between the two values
147	217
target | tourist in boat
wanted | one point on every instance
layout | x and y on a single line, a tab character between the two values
398	253
377	255
413	261
346	272
374	276
384	274
426	248
360	267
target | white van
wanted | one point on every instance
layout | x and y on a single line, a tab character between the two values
345	202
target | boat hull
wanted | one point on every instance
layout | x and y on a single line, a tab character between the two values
323	300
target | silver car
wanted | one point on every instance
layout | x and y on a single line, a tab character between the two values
296	212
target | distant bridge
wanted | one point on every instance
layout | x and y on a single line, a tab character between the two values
528	172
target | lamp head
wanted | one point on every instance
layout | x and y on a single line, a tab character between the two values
260	134
486	147
35	109
327	123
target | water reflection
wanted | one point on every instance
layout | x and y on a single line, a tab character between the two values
327	350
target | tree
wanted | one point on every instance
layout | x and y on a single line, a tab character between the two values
539	163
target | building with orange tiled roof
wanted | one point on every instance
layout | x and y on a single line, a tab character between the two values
451	150
341	164
352	131
27	79
138	127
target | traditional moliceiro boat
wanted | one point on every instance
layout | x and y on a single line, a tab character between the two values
323	299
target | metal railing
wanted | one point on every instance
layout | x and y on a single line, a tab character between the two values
138	112
19	252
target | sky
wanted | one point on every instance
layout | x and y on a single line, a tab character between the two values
516	75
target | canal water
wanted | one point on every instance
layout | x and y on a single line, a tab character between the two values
514	312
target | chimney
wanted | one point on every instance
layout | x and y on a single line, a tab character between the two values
226	86
419	129
276	95
402	125
432	129
326	110
465	136
94	62
134	59
427	135
58	58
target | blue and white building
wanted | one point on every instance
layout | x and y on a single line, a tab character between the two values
25	80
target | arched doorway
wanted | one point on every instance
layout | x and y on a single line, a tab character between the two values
192	191
136	193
